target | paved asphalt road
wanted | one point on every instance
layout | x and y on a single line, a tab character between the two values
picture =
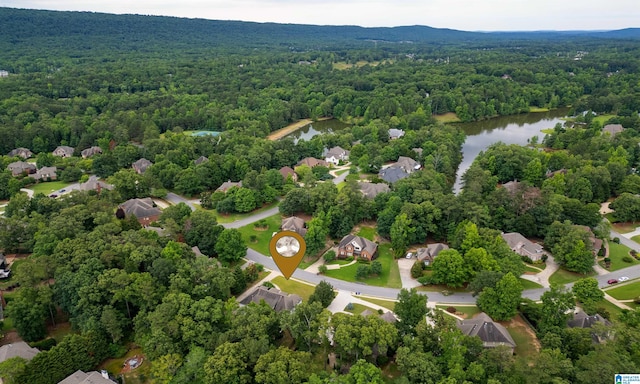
177	199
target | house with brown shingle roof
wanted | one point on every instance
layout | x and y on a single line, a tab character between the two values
523	246
358	247
93	377
228	185
141	165
596	243
18	168
275	298
143	209
312	162
371	190
491	333
288	171
428	254
94	184
612	129
46	174
91	151
294	224
20	152
200	160
582	320
63	151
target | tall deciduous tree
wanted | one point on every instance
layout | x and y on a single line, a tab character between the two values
501	302
323	294
587	291
401	231
229	246
412	309
228	364
283	366
317	231
449	268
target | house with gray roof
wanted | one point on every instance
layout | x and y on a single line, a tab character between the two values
395	133
408	164
17	349
95	184
20	152
141	165
93	377
336	154
582	320
200	160
275	298
428	254
523	246
63	151
371	190
294	224
18	168
144	210
612	129
46	174
228	185
91	151
358	247
393	174
491	333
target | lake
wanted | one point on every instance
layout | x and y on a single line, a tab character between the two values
516	129
317	128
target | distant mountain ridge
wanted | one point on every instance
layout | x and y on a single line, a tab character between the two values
84	30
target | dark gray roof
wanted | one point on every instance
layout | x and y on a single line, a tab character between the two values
93	183
582	320
392	174
80	377
431	251
20	152
294	224
140	208
364	244
201	159
276	299
371	190
91	151
17	349
141	165
17	167
492	334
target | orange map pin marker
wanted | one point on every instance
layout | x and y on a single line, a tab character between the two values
287	249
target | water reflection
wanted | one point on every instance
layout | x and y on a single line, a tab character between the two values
316	128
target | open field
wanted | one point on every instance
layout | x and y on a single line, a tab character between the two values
292	286
625	292
263	235
390	276
602	119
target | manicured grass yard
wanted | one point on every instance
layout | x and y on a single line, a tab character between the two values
341	172
616	253
138	376
390	276
535	268
292	286
359	308
390	305
625	292
263	235
48	187
341	185
237	216
613	309
562	276
367	232
527	284
602	119
468	310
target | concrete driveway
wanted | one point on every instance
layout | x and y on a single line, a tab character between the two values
405	273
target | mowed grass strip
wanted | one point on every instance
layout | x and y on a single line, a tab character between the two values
528	284
390	305
49	187
562	276
625	292
292	286
616	253
263	235
359	308
390	276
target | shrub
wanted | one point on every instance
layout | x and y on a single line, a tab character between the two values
544	258
451	309
627	259
616	240
607	259
637	300
268	284
424	280
322	269
416	269
260	267
45	345
349	307
329	256
253	238
380	312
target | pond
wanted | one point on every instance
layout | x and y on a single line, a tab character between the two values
516	129
317	128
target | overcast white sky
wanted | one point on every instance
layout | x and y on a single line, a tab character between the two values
469	15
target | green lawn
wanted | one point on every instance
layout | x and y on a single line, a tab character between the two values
139	376
367	232
616	253
390	276
447	118
602	119
292	286
625	292
60	331
11	280
538	109
535	267
562	276
390	305
468	310
48	187
341	185
230	218
263	235
613	309
341	172
359	308
547	131
527	284
339	262
636	239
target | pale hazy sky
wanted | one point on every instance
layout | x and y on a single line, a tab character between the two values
469	15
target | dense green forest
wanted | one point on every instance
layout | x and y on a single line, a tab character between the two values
132	85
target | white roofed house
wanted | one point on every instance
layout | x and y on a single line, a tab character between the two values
336	154
395	133
63	151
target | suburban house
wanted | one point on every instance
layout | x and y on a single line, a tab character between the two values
143	209
86	153
417	150
523	246
596	244
200	160
141	165
93	184
582	320
18	168
336	154
228	185
276	299
288	171
388	316
312	162
399	170
395	133
63	151
612	129
46	174
294	224
491	333
20	152
17	349
371	190
426	255
93	377
512	186
357	246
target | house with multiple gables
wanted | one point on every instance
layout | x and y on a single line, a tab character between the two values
144	210
582	320
17	349
595	243
428	254
227	185
523	246
288	171
402	168
20	152
18	168
46	174
491	333
312	162
95	184
141	165
63	151
276	299
371	190
336	154
294	224
93	377
358	247
91	151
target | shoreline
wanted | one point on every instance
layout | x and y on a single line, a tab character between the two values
282	132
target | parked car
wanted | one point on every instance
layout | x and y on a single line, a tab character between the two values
53	195
409	255
612	281
623	278
63	190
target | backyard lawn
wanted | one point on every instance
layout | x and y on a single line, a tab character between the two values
625	292
138	376
292	286
48	187
237	216
562	276
523	336
367	232
390	276
263	235
614	310
617	252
